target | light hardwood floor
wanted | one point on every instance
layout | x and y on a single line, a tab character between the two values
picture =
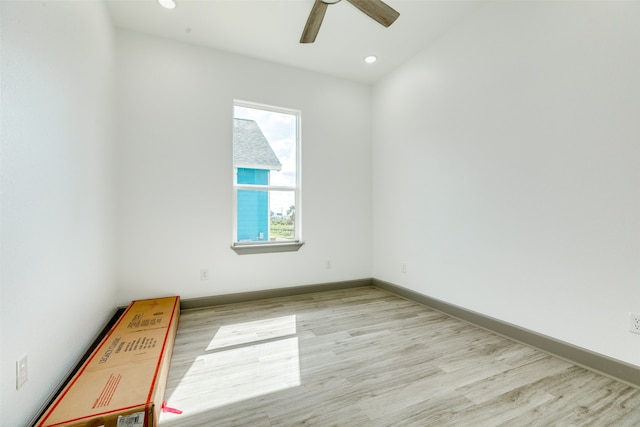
364	357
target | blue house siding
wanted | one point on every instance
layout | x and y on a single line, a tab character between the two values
253	176
253	206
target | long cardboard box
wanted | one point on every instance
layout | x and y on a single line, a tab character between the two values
122	382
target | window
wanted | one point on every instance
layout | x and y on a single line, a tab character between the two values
266	183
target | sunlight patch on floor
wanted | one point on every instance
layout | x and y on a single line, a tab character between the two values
242	361
249	332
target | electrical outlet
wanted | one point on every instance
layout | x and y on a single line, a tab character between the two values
329	264
403	268
634	323
21	371
204	274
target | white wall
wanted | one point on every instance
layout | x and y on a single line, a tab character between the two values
174	169
57	287
506	170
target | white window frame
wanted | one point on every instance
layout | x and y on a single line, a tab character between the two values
246	248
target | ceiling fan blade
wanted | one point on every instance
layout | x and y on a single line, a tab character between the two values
378	10
313	22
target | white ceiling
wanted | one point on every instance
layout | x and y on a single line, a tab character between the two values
271	30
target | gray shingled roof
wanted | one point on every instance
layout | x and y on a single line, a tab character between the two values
250	147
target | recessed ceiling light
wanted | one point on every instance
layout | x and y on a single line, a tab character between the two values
370	59
168	4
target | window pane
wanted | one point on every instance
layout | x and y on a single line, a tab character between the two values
266	215
280	133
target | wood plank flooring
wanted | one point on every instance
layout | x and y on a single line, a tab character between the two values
364	357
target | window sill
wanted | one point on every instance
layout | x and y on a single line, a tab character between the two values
266	248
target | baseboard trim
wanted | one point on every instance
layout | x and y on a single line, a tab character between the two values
209	301
621	371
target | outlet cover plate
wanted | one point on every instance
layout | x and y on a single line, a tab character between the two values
634	323
21	371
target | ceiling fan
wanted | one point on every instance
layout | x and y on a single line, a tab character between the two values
376	9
